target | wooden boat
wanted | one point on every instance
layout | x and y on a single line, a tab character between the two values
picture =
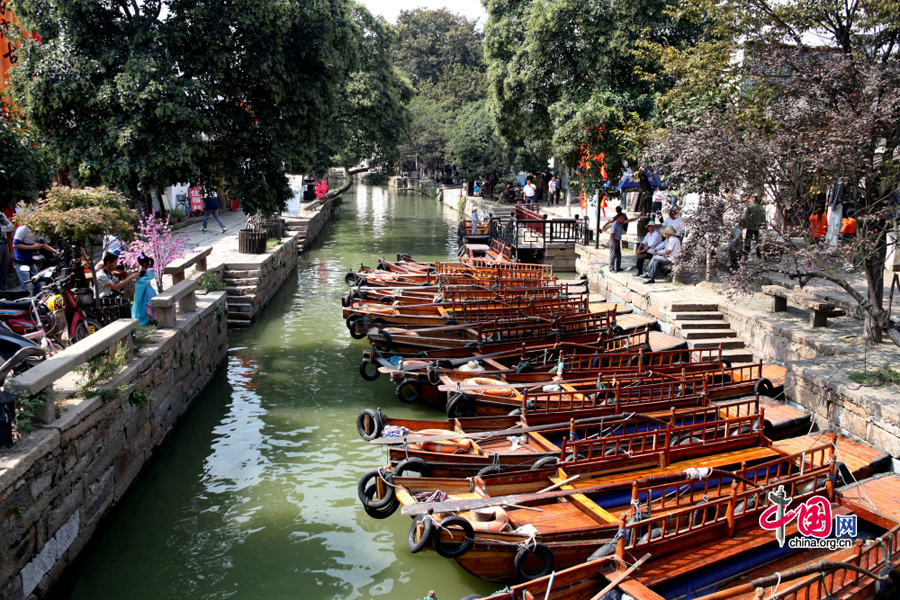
519	443
499	398
861	572
688	507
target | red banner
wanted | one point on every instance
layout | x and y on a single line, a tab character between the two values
196	199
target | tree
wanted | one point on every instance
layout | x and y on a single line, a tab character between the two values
573	73
143	94
432	42
81	216
372	117
442	53
474	144
154	238
790	120
24	168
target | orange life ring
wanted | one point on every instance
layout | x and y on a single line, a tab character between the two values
444	446
498	521
506	392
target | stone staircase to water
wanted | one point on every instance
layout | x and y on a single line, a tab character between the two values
703	326
242	288
297	225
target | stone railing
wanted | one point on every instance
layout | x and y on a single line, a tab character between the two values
176	268
184	293
42	376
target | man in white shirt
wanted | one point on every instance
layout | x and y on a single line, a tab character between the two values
667	257
554	191
647	248
529	190
675	221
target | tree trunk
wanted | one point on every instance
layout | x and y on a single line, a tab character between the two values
873	265
348	180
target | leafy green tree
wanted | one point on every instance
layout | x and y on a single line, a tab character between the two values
573	73
372	117
144	94
474	143
432	42
24	168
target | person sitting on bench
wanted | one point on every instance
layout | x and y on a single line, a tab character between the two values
647	248
666	257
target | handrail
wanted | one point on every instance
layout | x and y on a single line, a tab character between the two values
184	293
114	336
176	268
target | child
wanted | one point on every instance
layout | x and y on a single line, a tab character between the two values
144	292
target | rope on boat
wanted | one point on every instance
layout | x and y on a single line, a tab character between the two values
775	589
698	474
860	492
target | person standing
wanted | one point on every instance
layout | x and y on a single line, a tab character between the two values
529	190
615	243
24	245
144	292
818	224
211	207
553	184
754	220
848	236
6	227
474	221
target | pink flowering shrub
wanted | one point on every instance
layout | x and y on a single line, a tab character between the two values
321	189
154	239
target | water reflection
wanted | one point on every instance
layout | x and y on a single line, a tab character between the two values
254	496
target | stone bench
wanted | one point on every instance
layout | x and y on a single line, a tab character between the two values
176	268
820	308
184	293
41	376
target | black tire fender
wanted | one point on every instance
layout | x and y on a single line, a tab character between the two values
413	463
350	278
417	545
448	321
461	405
377	424
490	470
365	374
763	387
382	513
468	537
366	489
409	384
617	330
543	463
524	367
537	550
726	363
352	321
387	339
887	589
361	281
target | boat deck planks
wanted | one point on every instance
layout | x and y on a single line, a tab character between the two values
882	490
862	460
700	556
749	455
501	444
773	373
602	307
779	414
562	516
632	321
660	341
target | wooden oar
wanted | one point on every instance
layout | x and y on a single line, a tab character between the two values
621	577
418	439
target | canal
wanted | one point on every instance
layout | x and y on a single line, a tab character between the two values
254	495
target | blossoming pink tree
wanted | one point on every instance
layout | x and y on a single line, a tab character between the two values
321	189
154	239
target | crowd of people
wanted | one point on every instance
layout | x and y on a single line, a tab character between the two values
661	245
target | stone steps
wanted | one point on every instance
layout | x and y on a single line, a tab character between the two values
232	290
685	325
724	342
239	282
700	334
697	316
682	307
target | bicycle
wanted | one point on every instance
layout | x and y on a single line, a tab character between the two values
183	203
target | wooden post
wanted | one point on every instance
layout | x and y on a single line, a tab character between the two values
729	512
620	543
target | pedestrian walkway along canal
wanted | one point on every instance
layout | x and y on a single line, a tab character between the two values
254	495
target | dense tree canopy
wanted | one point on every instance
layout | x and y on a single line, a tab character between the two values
24	167
433	43
151	93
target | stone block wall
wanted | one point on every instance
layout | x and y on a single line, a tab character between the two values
318	221
57	483
251	284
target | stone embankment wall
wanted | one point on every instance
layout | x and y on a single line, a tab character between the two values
317	223
253	281
57	483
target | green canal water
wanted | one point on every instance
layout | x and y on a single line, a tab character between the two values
254	495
